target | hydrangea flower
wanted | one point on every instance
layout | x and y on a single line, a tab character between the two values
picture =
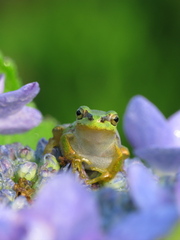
15	117
153	137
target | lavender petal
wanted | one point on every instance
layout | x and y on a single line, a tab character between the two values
10	225
145	225
164	159
12	102
177	192
70	207
22	121
174	122
145	125
143	186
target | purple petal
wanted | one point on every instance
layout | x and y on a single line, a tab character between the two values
177	193
2	79
165	159
145	125
174	122
12	102
21	121
66	210
143	186
10	225
146	225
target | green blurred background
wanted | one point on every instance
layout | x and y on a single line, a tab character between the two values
98	53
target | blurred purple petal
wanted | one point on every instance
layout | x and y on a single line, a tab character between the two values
165	159
144	187
12	102
10	228
65	210
21	121
146	225
177	193
145	125
2	78
174	122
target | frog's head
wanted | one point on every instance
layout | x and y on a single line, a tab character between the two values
96	120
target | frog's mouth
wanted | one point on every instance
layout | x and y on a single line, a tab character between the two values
95	135
99	124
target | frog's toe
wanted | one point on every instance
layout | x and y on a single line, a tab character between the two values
105	177
77	166
85	160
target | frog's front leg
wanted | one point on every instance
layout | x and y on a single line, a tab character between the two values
77	165
115	166
104	177
55	140
75	159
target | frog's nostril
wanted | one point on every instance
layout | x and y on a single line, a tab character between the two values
103	119
90	117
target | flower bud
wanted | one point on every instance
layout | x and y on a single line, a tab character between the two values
40	182
7	195
6	167
26	170
19	203
49	161
26	153
1	182
12	149
46	173
43	176
118	183
6	183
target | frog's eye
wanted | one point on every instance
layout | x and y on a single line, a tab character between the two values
114	120
79	113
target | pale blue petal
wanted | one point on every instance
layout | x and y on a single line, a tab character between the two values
12	102
165	159
174	122
10	222
143	186
177	193
21	121
146	225
145	125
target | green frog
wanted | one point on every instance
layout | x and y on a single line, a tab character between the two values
91	144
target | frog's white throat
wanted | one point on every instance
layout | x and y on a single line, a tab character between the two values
95	145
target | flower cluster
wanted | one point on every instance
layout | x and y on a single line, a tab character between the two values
23	172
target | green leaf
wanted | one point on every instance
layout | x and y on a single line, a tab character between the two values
8	67
12	82
31	138
174	235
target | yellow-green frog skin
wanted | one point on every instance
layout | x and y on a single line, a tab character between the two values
92	142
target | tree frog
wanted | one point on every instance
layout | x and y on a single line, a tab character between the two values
91	143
